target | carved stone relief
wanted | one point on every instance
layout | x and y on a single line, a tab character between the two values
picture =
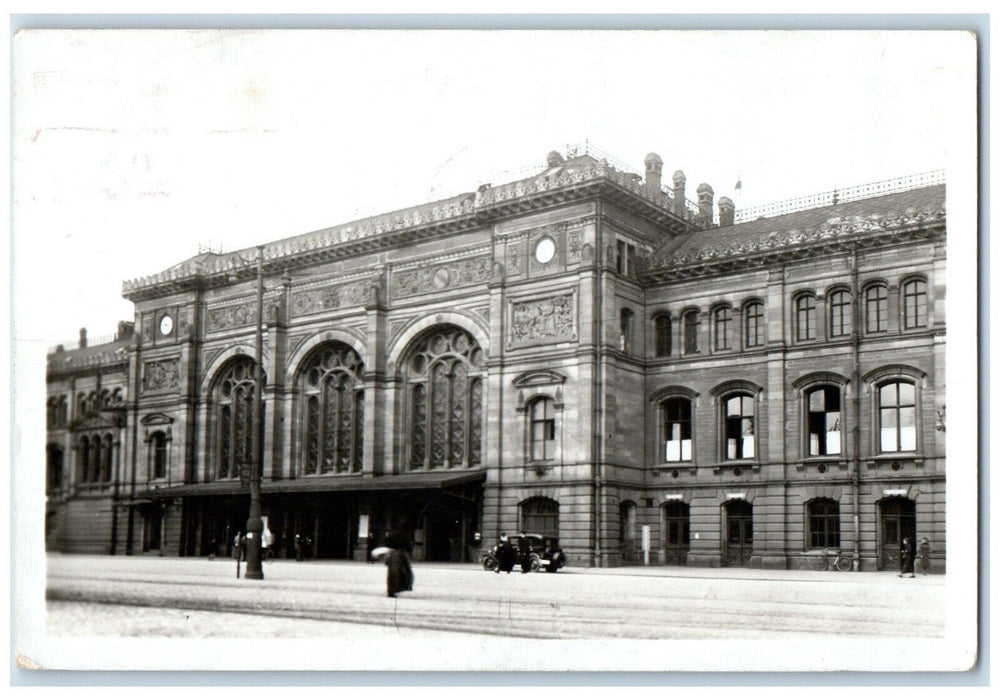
436	278
543	320
147	327
336	296
161	375
232	316
514	257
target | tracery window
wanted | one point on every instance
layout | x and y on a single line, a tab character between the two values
444	377
914	304
840	313
753	324
234	409
333	419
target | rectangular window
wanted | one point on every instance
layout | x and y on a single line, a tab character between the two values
840	314
754	315
805	312
824	421
691	332
914	304
739	427
897	418
543	430
677	430
876	309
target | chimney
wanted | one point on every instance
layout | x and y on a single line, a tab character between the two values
654	171
83	337
727	211
705	196
127	328
678	193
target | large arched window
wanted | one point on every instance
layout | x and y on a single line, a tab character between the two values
233	397
107	458
444	383
540	516
914	303
663	335
83	461
823	515
333	410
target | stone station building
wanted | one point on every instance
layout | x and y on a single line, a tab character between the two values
583	353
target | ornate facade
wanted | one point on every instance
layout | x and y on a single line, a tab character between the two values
583	353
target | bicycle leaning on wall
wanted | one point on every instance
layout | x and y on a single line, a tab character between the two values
840	562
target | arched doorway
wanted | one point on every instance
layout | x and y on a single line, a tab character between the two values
897	517
738	546
676	532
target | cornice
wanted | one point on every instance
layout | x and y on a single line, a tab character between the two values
461	214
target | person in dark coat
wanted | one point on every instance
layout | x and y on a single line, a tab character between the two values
399	574
924	554
906	558
505	554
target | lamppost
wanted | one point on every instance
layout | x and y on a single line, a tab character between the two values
255	525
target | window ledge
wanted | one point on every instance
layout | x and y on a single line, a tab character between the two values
896	461
670	467
819	463
741	464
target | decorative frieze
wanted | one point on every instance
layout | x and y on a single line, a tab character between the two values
233	316
161	375
547	320
336	296
437	278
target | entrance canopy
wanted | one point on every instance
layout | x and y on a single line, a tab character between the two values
325	484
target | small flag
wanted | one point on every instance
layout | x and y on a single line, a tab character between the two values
739	183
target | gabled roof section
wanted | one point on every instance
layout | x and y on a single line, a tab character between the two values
871	221
101	356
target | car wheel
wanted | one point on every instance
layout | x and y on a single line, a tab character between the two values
535	565
490	564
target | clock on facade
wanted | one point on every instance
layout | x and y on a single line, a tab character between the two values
545	250
166	325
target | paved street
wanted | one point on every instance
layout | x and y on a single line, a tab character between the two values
198	598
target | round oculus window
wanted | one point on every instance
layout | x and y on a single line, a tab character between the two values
545	250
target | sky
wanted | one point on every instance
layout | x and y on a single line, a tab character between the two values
134	150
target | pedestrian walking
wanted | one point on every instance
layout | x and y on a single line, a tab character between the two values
924	554
505	554
906	559
399	573
238	544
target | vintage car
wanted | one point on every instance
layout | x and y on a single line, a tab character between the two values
544	553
